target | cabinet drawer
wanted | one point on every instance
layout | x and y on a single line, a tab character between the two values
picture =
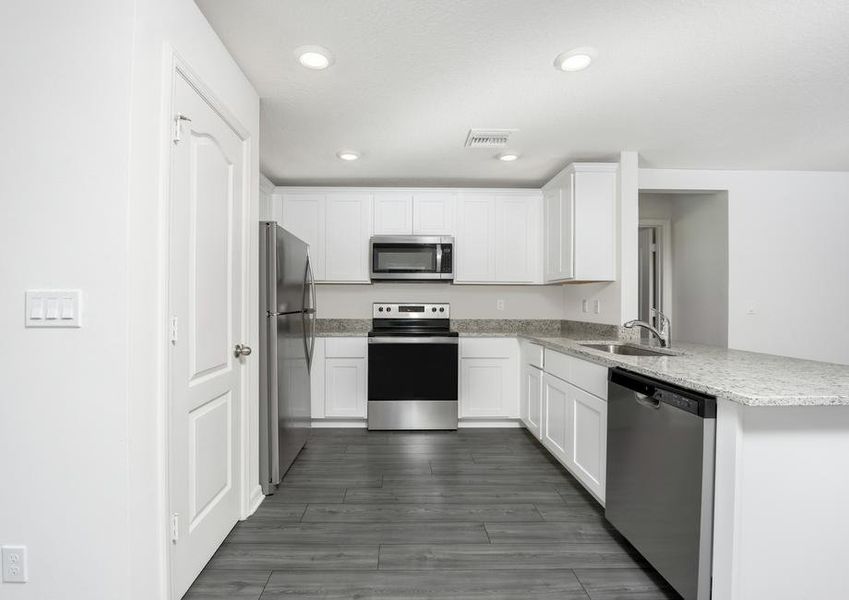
580	373
345	347
487	348
532	354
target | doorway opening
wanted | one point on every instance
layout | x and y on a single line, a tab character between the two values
683	263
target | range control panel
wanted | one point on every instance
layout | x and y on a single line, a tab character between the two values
381	310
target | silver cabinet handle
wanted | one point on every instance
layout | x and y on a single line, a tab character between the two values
242	350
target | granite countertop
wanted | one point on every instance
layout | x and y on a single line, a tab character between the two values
748	378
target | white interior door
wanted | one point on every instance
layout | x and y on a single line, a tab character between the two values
205	282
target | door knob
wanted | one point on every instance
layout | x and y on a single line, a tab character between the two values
242	350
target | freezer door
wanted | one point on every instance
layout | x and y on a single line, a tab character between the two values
290	266
293	391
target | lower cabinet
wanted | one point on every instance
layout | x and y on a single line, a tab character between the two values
340	378
489	378
530	409
574	430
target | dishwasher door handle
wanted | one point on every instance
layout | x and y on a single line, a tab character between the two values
647	401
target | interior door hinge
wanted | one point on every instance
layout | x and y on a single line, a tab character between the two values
175	528
179	119
173	330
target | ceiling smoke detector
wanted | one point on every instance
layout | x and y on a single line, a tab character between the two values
488	138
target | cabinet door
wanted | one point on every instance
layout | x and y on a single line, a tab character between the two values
317	380
557	418
559	201
532	399
433	213
345	388
516	220
589	440
347	233
303	215
595	224
475	253
393	213
483	387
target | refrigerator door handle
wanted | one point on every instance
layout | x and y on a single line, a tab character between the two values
308	314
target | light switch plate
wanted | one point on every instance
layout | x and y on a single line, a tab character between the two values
53	308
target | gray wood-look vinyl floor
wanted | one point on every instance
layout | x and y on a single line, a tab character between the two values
472	514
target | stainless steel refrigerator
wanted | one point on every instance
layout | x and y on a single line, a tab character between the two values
287	340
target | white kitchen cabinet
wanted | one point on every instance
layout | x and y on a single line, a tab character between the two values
580	223
303	215
317	380
589	440
489	378
347	233
345	377
531	399
557	418
474	255
433	213
393	213
498	238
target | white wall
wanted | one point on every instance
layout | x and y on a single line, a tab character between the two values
165	27
83	201
699	274
63	183
788	275
467	301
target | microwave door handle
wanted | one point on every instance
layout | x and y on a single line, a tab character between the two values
439	258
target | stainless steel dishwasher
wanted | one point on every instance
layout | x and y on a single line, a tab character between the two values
660	464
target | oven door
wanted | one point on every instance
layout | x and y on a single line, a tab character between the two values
412	383
412	368
409	257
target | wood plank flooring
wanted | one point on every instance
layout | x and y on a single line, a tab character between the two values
472	514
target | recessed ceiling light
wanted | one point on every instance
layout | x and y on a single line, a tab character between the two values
575	60
314	57
348	155
507	156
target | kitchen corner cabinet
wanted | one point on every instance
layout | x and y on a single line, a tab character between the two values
489	378
337	227
580	223
498	238
414	213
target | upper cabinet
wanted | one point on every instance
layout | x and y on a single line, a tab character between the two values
337	227
433	213
414	212
499	237
580	223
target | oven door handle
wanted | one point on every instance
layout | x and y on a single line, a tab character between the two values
413	340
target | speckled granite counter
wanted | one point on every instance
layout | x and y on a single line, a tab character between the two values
747	378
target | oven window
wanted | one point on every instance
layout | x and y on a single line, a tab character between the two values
412	371
418	258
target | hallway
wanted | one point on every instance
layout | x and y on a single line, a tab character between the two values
477	513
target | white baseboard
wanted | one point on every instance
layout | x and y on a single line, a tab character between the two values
256	499
490	423
339	423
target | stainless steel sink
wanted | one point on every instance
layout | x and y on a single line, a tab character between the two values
628	349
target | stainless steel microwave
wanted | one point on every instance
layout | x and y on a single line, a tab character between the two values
412	257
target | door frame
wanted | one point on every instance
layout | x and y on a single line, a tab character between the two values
249	495
664	226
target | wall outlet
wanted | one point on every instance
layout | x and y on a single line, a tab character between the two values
597	307
585	305
499	304
14	564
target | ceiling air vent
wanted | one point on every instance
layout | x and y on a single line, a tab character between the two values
488	138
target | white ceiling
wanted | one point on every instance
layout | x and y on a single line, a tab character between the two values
717	84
